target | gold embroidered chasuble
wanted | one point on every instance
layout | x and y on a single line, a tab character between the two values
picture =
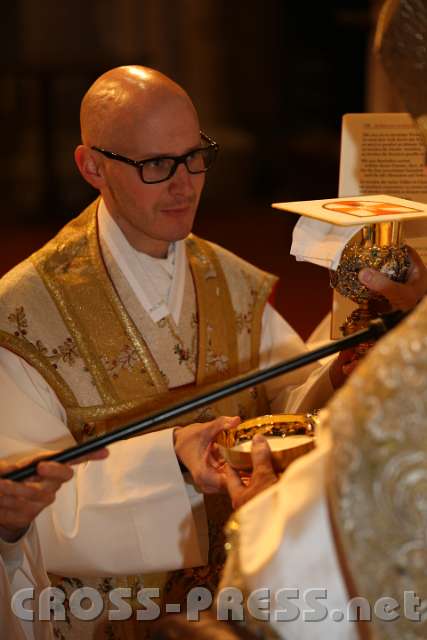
69	311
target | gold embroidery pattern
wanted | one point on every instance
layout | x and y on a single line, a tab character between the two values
195	326
220	362
218	352
182	353
186	356
91	309
66	352
20	320
150	366
263	293
127	359
57	275
37	359
244	321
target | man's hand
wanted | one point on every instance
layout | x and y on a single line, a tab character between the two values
401	296
21	502
345	363
194	447
263	474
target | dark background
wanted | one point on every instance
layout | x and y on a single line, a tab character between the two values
271	81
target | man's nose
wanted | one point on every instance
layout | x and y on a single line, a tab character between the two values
181	179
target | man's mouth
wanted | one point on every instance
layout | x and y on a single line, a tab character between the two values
179	208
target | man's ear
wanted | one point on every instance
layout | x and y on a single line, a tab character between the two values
88	166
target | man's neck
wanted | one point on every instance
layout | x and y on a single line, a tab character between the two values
141	243
137	240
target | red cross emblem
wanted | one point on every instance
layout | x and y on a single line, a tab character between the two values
367	209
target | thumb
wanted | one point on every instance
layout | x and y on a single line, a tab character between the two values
375	281
396	293
232	479
262	459
51	470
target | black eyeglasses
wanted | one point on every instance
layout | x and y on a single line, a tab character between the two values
161	168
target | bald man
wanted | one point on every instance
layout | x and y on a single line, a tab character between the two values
123	312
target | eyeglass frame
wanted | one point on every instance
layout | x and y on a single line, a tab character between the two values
182	159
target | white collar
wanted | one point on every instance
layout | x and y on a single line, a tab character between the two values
135	265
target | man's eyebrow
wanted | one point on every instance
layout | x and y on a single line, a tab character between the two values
148	156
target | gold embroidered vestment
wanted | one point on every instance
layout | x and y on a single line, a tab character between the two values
69	312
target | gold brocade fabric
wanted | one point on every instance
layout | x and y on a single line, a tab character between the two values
233	577
378	476
69	312
62	313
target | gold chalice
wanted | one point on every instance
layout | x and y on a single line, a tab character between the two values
288	435
378	246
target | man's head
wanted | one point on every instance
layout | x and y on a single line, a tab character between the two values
139	113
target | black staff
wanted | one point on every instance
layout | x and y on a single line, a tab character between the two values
376	329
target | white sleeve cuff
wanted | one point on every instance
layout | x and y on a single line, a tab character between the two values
128	514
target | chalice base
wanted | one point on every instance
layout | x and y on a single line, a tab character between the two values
360	318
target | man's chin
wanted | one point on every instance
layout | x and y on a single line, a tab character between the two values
179	234
179	228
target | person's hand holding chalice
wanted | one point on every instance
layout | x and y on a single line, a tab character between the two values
360	240
379	273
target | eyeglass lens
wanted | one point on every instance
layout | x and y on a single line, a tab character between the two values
159	169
